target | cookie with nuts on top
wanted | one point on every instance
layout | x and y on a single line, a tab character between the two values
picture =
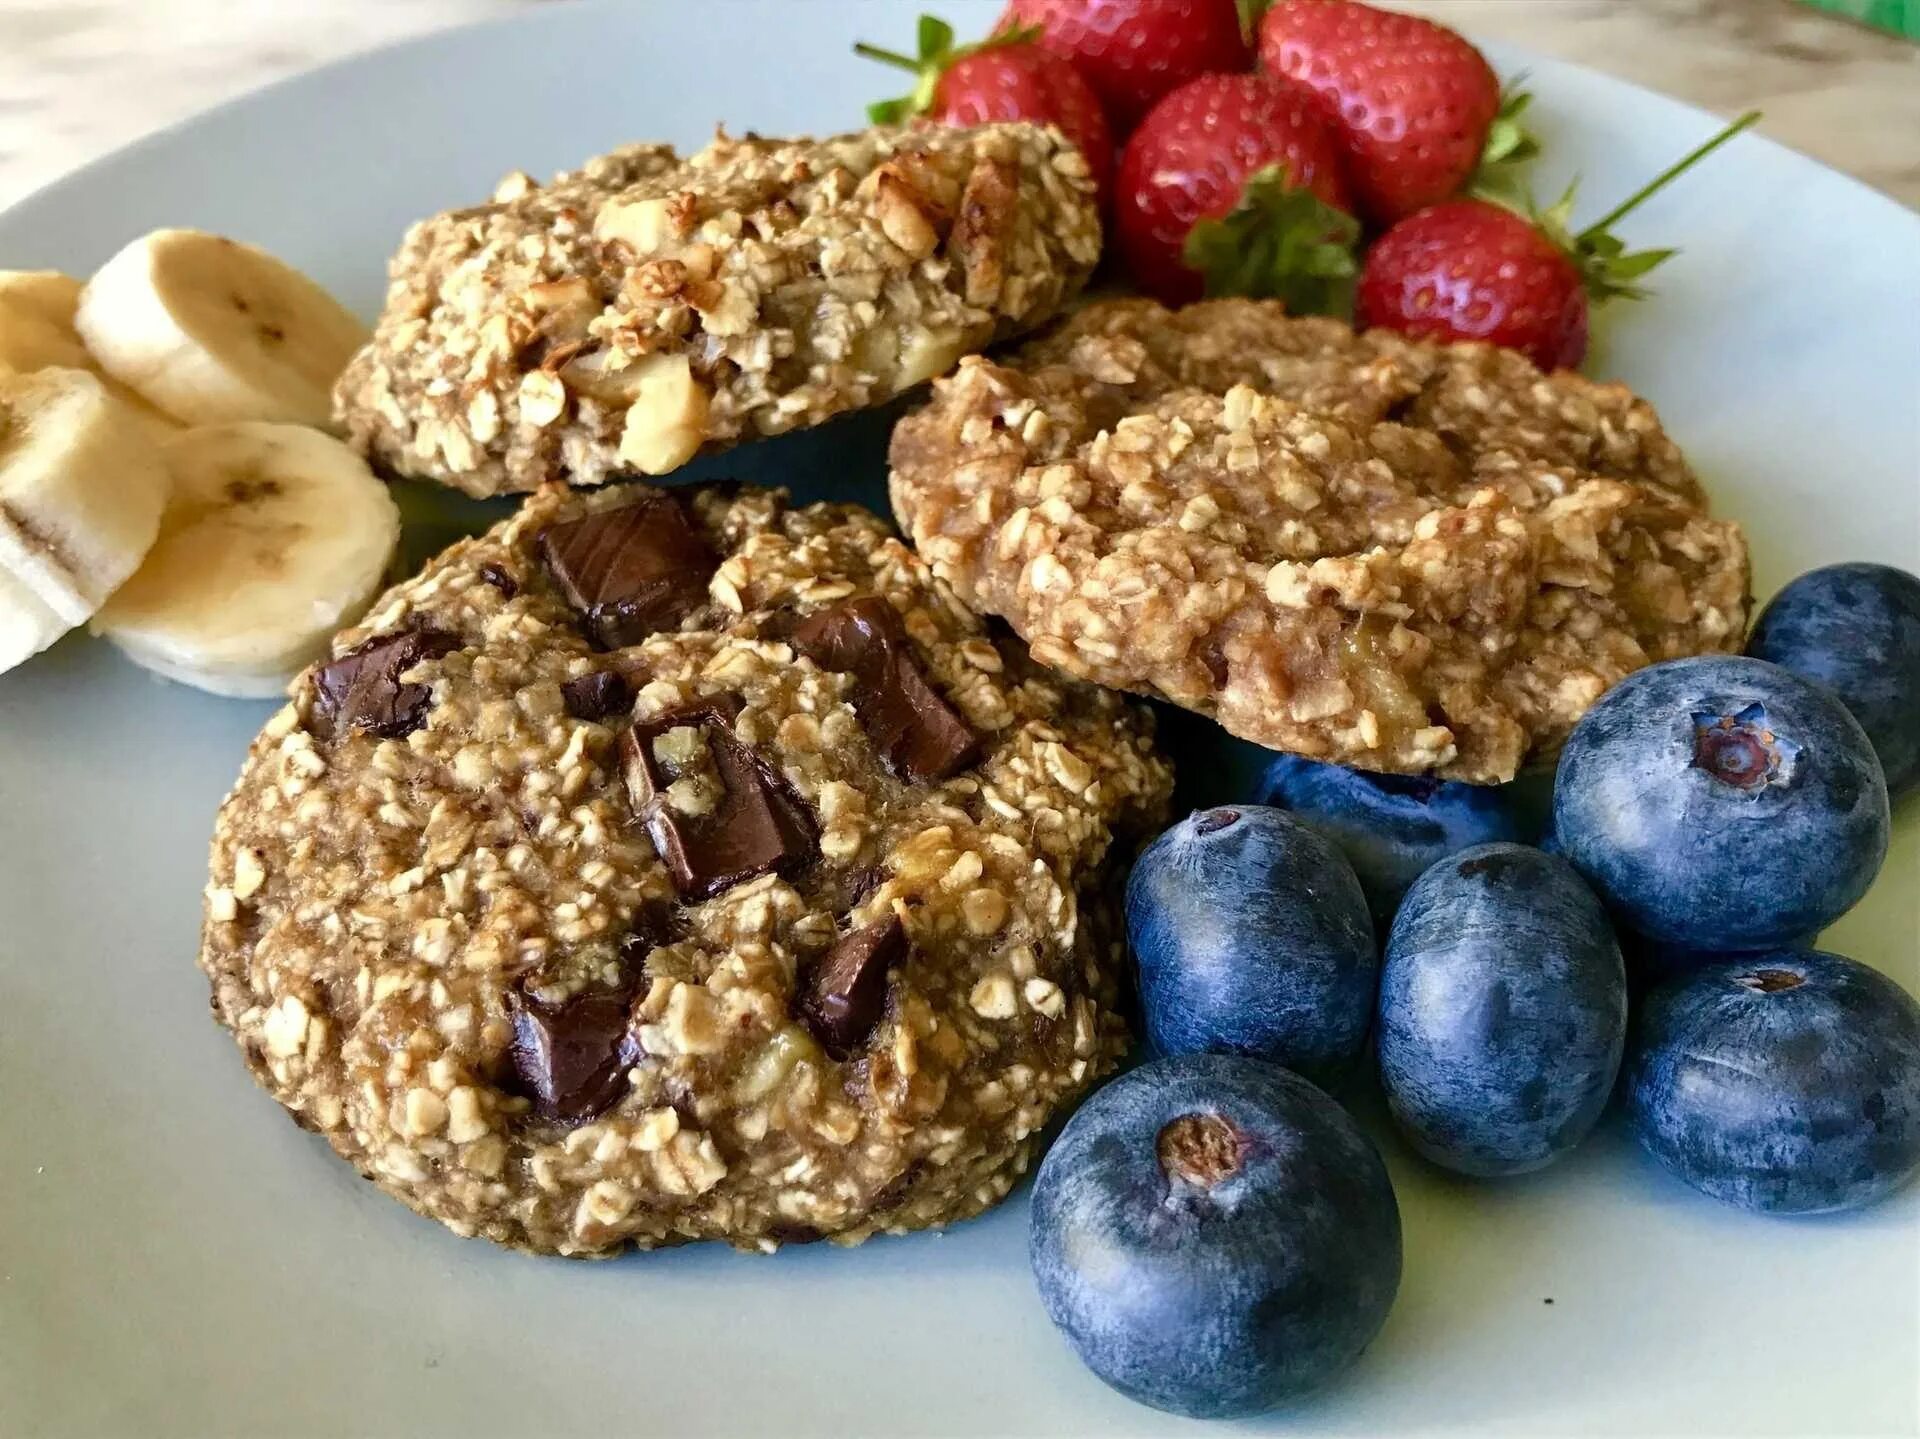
679	865
631	314
1397	555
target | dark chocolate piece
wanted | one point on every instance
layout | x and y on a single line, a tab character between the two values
918	732
651	926
631	571
846	991
783	1232
573	1058
362	689
497	576
758	823
596	696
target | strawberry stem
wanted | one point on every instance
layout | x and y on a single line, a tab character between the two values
886	57
938	54
1666	176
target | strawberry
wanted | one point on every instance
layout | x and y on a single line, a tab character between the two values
1415	105
1006	77
1232	185
1134	51
1471	270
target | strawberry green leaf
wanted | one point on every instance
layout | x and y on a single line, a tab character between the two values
1632	267
1279	242
935	36
1509	146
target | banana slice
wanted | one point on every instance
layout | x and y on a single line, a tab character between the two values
213	331
28	624
45	294
36	321
36	333
81	490
275	537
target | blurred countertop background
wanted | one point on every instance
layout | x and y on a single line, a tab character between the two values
80	77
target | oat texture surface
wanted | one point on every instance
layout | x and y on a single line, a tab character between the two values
627	316
1403	556
747	890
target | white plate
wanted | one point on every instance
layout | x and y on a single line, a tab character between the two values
177	1259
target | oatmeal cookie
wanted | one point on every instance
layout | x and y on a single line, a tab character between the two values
679	865
647	307
1398	555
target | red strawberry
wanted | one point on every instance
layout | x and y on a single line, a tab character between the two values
1469	270
1413	102
1007	77
1232	185
1134	51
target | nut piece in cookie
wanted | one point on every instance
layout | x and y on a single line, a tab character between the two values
1392	554
623	318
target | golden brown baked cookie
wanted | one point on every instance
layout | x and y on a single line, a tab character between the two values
679	865
647	307
1397	555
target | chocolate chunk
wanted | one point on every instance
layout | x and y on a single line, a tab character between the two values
595	696
846	990
651	926
756	823
497	576
362	689
917	732
632	571
573	1058
783	1232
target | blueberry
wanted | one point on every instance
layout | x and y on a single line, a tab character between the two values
1215	1236
1392	828
1656	959
1721	803
1787	1082
1251	936
1856	630
1503	1011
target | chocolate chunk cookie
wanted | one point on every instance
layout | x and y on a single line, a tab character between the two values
667	866
629	315
1398	555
